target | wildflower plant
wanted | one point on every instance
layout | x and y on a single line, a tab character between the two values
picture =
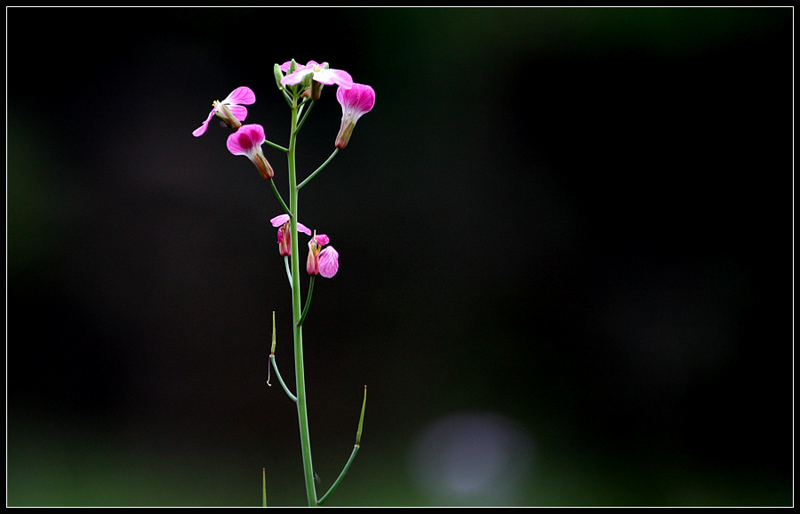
301	87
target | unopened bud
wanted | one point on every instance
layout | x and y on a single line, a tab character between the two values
278	75
306	80
263	166
316	90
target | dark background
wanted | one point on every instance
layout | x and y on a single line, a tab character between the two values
566	248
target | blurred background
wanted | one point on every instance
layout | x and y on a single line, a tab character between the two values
566	258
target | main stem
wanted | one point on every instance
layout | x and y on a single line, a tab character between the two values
302	410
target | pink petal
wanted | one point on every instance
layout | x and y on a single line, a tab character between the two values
279	220
360	98
235	145
304	229
331	77
247	139
239	111
241	95
328	262
366	98
296	77
322	239
199	131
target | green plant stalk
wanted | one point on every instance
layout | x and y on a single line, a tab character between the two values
302	411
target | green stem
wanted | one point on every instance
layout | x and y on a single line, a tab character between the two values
302	411
306	181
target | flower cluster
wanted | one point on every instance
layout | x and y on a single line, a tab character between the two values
320	73
355	99
321	261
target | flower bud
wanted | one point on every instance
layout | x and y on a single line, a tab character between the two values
316	90
307	80
278	75
263	166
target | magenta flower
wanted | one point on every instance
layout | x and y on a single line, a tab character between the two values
281	222
247	141
356	102
320	73
322	261
231	110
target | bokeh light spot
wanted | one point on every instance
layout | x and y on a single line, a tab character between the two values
471	458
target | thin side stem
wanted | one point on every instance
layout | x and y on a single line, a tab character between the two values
280	379
308	179
276	146
353	454
280	198
308	300
288	269
274	363
305	116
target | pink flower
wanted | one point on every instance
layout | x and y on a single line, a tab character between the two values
322	261
247	141
356	101
320	73
281	222
231	110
